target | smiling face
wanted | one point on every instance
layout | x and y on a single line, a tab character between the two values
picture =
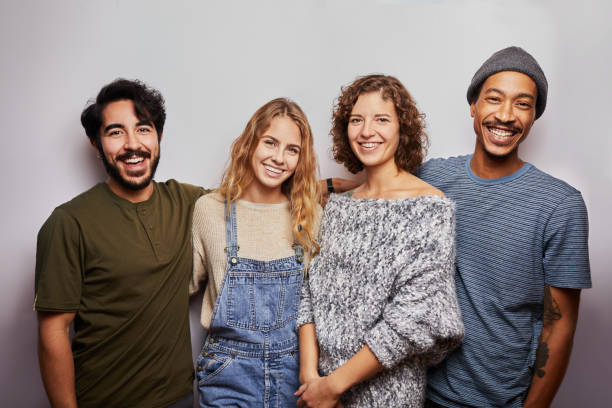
503	113
130	148
274	160
373	130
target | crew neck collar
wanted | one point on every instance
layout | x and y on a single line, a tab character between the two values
510	177
127	203
252	204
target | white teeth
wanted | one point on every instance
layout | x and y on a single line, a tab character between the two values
272	169
134	160
369	145
500	132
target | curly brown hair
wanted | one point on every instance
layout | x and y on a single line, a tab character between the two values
413	141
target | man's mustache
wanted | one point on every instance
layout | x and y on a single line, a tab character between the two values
133	153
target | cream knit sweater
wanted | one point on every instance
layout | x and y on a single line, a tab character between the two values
264	233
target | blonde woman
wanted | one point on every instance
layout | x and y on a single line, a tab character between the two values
252	238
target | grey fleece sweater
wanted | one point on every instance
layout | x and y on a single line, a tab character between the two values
384	277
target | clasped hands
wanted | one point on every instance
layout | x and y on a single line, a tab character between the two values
318	392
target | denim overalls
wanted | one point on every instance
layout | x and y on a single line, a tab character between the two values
250	354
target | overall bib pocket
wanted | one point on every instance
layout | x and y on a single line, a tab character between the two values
262	300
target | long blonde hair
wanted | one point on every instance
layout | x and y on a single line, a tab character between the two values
302	188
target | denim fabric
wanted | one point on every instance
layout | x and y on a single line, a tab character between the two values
250	353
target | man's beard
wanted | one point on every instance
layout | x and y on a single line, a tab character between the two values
114	173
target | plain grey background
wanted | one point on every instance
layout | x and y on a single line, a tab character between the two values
216	62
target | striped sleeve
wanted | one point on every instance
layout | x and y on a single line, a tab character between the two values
566	253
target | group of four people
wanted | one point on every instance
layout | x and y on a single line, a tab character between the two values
367	303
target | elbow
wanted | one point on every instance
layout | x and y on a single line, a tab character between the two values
452	340
442	348
444	341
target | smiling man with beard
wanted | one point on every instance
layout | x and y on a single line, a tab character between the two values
115	262
522	254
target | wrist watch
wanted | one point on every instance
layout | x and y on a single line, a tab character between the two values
330	186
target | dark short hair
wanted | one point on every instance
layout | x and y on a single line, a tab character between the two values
148	106
413	140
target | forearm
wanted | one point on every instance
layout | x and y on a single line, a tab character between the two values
326	391
552	359
343	185
362	366
554	346
57	366
309	352
338	185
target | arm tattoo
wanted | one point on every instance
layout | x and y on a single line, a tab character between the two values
550	314
541	359
552	311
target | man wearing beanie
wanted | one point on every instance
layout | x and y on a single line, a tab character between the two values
522	254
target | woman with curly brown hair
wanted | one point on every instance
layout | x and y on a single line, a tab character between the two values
379	302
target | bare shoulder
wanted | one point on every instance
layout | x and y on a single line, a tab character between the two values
419	188
428	189
404	185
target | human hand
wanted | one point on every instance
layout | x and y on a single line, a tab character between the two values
318	393
306	377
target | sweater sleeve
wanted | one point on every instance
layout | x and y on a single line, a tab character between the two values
198	271
422	317
305	314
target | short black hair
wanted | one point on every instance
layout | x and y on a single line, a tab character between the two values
149	105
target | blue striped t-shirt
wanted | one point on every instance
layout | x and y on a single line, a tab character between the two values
514	235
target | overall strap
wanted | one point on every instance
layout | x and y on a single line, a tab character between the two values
231	235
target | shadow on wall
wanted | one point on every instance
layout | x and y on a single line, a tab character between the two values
20	358
94	170
195	307
590	354
20	370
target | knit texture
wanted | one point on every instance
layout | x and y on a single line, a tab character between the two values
384	277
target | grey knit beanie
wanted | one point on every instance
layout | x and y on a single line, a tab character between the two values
511	59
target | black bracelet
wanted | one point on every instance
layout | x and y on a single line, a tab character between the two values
330	186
